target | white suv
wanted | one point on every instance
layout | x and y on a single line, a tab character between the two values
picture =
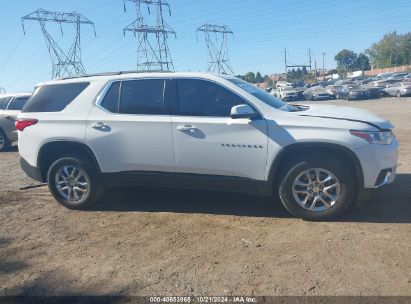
82	135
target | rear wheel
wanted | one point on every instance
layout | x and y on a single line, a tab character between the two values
317	189
74	183
4	141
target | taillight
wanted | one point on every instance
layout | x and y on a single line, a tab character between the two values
21	124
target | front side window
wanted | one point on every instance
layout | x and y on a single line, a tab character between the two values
142	97
4	102
205	98
261	95
18	103
55	97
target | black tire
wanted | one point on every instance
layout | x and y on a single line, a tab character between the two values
340	171
95	190
6	142
399	94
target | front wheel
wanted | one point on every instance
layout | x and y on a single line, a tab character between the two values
317	189
74	183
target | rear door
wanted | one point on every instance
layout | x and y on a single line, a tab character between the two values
129	130
207	142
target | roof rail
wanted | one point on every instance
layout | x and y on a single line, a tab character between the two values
110	74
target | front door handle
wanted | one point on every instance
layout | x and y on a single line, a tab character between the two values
186	128
99	125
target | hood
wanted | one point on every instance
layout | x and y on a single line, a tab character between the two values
346	113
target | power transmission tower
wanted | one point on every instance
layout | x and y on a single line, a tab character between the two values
153	53
217	48
65	63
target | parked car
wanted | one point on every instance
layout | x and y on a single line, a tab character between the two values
351	92
316	93
10	107
398	76
286	93
333	90
398	89
373	92
280	84
200	130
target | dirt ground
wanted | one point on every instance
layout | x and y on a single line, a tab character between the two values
175	242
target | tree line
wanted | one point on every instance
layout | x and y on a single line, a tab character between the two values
392	50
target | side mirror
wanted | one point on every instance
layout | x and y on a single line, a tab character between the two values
243	111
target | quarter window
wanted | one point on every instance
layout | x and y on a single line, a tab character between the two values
54	98
204	98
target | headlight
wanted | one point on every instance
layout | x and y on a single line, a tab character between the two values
377	137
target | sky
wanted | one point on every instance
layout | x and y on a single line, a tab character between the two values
261	31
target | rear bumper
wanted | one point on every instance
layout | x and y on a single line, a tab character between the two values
32	172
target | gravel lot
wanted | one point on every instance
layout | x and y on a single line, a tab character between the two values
174	242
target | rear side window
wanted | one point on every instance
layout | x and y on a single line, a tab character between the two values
54	98
3	102
204	98
142	97
18	103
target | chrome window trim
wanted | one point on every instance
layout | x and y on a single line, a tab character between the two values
100	97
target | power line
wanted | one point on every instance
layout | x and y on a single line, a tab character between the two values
64	63
153	53
216	38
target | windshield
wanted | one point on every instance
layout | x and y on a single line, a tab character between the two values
262	95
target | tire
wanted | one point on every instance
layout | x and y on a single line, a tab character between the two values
89	187
346	189
5	143
399	94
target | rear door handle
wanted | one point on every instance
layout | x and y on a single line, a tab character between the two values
186	128
99	125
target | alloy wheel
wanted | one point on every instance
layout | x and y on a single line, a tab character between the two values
316	189
72	183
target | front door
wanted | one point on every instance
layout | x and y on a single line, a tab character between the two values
208	142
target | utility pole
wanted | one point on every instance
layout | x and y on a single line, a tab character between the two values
216	38
315	68
323	66
65	63
309	56
285	61
153	53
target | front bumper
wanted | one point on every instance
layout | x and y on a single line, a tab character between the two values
379	164
32	172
